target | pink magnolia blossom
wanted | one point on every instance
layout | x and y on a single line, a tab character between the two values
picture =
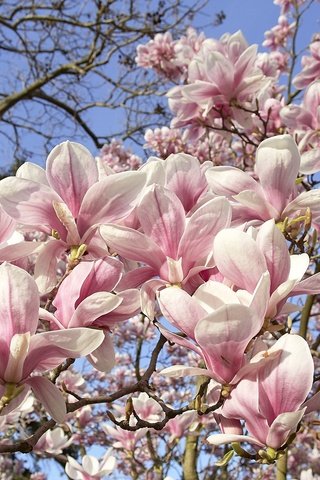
159	54
90	303
91	468
220	324
310	66
25	354
219	81
304	122
118	158
242	260
278	35
274	407
53	441
69	203
275	195
173	247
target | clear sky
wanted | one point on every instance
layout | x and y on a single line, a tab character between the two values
253	17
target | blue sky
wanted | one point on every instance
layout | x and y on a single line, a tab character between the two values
253	17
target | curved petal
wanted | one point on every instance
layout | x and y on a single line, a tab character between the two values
238	258
279	392
30	203
202	226
103	358
45	272
133	245
222	438
111	199
272	244
230	181
49	349
162	218
31	171
50	397
223	337
277	166
91	308
71	170
19	302
180	309
282	427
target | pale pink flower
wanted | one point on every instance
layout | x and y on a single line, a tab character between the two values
275	195
304	123
310	66
242	260
218	324
25	355
53	441
91	468
278	35
219	82
274	407
69	203
119	158
90	303
173	247
159	54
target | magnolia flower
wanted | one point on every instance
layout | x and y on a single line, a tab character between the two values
242	260
173	247
274	407
25	354
90	469
218	323
275	195
89	303
53	441
68	203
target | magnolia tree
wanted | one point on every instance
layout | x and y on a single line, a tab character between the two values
161	320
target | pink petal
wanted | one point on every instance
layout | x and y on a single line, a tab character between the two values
133	245
19	302
49	349
230	181
279	391
50	397
185	178
277	166
162	218
282	427
204	224
31	171
103	358
45	272
238	258
30	203
212	295
180	309
110	199
222	438
223	337
272	244
71	170
91	308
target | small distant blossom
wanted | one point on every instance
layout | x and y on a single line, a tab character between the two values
287	4
167	57
119	158
278	35
159	54
310	66
91	468
53	441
